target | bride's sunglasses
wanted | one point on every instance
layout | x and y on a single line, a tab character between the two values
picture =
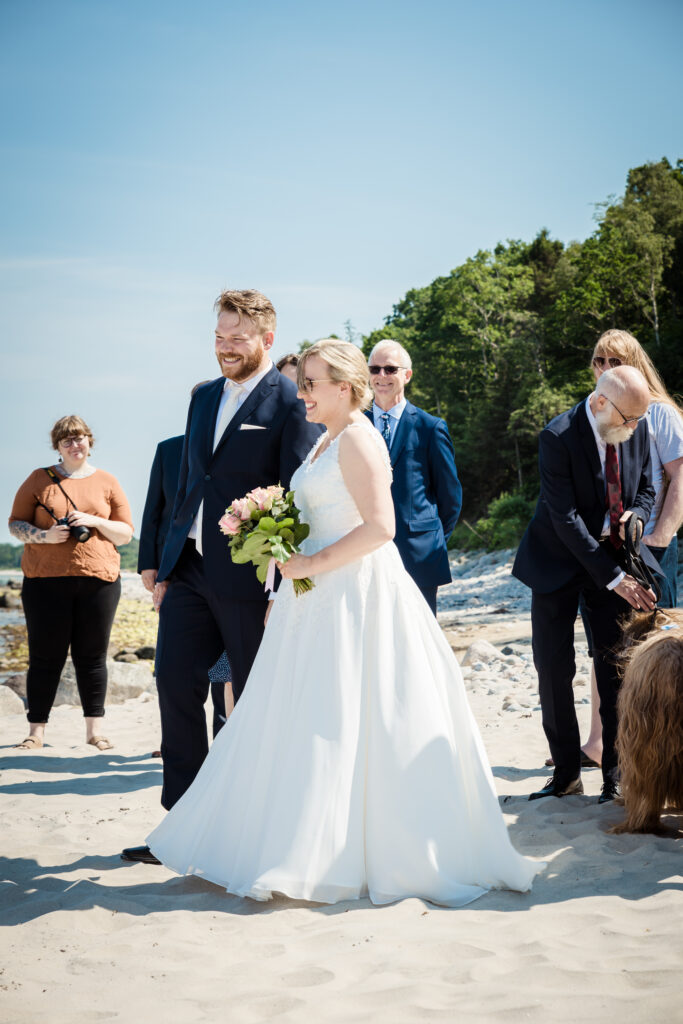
600	361
389	370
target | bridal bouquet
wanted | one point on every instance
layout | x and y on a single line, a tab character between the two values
264	526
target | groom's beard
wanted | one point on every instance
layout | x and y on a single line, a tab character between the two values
609	433
246	365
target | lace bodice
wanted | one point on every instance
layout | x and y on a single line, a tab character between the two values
321	494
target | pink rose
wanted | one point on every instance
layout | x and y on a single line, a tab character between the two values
243	508
229	524
262	497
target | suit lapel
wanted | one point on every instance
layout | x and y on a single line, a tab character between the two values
591	449
214	400
247	407
405	425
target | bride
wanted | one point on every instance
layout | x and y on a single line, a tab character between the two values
352	764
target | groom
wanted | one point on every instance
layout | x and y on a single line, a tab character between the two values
246	429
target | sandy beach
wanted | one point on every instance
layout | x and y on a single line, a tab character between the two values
85	937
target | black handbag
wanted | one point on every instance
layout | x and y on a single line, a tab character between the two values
634	563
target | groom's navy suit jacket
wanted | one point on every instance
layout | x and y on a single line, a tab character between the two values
561	543
427	494
264	442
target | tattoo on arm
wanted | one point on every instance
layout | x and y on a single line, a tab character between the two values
27	533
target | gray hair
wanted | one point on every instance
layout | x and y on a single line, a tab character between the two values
390	343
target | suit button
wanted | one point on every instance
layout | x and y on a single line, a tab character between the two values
208	476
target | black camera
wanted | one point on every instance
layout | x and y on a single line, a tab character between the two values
79	533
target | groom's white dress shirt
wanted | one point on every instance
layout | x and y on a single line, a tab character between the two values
234	395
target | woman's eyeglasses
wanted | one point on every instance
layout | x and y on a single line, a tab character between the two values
389	370
309	383
68	442
600	361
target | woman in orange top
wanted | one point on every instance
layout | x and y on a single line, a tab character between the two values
71	575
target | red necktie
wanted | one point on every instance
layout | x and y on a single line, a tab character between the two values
614	502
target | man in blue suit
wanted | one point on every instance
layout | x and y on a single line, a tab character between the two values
426	490
244	430
595	469
156	517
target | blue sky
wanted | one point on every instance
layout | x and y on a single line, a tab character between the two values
332	156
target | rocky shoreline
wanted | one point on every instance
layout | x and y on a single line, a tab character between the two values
484	613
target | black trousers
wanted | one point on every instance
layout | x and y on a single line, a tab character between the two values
63	612
552	619
429	594
195	627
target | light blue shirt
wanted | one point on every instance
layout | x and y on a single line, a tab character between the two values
394	415
666	445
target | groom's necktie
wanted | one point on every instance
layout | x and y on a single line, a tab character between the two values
386	429
230	406
614	500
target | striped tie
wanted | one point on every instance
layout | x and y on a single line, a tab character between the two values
613	497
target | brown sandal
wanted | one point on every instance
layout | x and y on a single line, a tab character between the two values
101	742
30	743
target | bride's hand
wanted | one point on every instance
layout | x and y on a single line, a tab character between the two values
298	567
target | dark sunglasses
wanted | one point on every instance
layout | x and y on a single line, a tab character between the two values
601	360
389	370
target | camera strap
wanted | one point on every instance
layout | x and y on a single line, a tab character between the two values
49	511
55	480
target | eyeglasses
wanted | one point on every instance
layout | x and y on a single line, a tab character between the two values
308	384
626	419
69	441
389	370
600	361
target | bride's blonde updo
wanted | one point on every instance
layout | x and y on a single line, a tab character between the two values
346	364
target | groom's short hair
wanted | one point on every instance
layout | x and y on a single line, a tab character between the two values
250	304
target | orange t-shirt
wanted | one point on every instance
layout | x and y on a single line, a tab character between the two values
99	494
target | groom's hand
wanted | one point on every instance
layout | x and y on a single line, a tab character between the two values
159	594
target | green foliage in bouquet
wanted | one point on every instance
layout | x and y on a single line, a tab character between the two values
262	526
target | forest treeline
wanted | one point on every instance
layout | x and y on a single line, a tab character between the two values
503	343
10	555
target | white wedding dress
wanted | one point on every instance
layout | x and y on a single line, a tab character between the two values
352	764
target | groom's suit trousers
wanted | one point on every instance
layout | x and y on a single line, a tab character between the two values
202	626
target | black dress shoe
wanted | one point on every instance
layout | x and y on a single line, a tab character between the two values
557	787
142	854
609	791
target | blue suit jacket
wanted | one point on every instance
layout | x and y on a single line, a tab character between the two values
243	459
161	492
427	494
562	540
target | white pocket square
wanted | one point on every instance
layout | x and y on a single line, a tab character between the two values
251	426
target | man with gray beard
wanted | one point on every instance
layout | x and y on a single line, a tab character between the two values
595	470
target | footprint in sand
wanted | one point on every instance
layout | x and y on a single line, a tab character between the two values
308	976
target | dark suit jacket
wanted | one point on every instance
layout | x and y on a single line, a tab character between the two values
427	494
161	492
243	459
561	542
